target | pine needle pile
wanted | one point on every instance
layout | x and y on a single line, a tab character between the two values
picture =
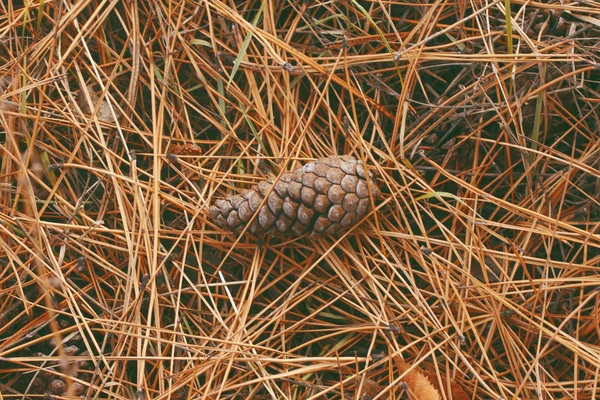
469	271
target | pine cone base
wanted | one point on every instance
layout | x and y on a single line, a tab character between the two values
329	195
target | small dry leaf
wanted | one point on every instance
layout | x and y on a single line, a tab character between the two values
456	393
104	113
185	149
419	385
492	271
370	388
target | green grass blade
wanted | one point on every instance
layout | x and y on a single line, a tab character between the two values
509	36
245	45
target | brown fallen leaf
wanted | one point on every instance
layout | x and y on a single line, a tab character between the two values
186	149
492	271
370	388
418	385
104	113
456	393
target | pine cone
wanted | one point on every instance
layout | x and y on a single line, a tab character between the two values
329	195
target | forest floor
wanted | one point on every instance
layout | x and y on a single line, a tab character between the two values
475	274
